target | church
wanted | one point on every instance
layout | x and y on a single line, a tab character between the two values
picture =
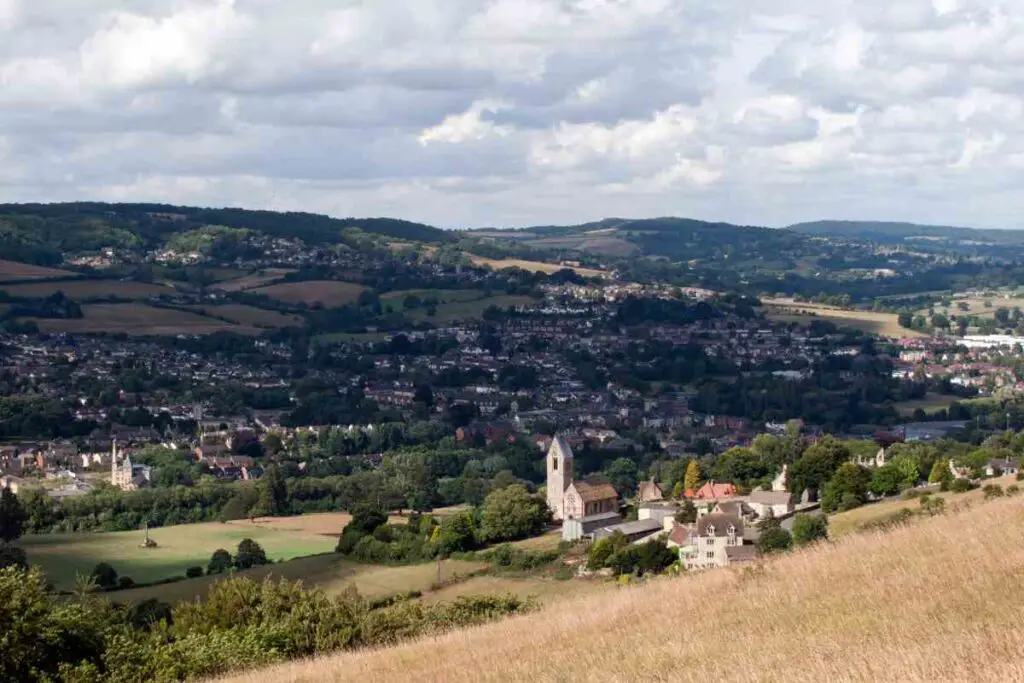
569	499
126	475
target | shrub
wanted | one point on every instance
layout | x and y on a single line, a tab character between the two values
962	485
889	521
652	557
601	551
911	494
933	506
993	491
194	572
774	540
220	562
104	575
249	554
809	528
1020	475
125	582
1012	490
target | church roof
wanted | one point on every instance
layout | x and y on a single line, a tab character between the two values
590	493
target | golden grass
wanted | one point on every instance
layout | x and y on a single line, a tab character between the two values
546	591
257	279
12	270
250	315
138	319
847	522
90	289
934	601
330	293
533	266
884	324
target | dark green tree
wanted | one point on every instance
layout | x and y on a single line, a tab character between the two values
809	528
249	554
513	513
105	576
12	516
774	540
220	562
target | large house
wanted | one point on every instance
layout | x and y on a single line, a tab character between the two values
569	499
715	541
713	490
771	503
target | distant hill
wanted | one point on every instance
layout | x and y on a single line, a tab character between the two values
893	232
39	233
870	607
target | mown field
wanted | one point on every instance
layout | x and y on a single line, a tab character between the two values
976	305
12	270
462	310
89	289
179	547
534	266
253	280
250	316
137	320
931	403
883	324
329	293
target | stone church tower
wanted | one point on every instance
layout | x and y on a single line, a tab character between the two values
120	471
559	474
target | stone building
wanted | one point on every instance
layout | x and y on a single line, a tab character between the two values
569	499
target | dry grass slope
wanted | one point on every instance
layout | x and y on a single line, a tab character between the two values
330	293
788	310
935	601
12	270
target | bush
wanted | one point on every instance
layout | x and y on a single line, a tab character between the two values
889	521
962	485
809	528
993	491
513	513
125	582
1012	490
220	562
601	551
933	506
104	576
1020	475
193	572
249	554
774	540
652	557
911	494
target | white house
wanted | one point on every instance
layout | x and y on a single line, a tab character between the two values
771	503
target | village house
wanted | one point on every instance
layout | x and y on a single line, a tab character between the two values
716	540
713	491
999	467
771	503
649	492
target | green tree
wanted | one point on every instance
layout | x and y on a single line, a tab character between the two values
687	512
908	468
513	513
809	528
691	480
104	576
456	534
622	475
273	494
886	480
249	554
940	472
815	467
272	443
601	551
12	516
220	562
12	556
847	489
774	540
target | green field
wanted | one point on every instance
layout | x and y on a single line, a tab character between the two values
931	403
62	556
461	310
442	295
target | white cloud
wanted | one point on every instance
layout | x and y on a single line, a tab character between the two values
518	111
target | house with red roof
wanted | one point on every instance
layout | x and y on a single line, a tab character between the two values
712	490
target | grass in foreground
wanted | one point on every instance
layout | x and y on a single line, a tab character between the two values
934	601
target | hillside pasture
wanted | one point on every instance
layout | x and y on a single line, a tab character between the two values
532	266
546	591
931	403
329	293
62	556
137	320
923	603
89	289
330	572
976	305
882	324
11	271
442	295
260	278
467	310
250	316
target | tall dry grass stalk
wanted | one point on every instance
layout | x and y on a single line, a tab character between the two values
941	600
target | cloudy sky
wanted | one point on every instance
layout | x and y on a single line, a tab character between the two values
513	112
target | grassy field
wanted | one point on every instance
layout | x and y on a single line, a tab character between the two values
932	601
12	270
462	310
336	337
331	572
138	319
253	280
90	289
545	590
250	316
976	304
534	266
847	522
442	295
330	293
179	547
931	403
884	324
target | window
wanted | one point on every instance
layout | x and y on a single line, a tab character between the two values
554	463
711	554
710	541
710	531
